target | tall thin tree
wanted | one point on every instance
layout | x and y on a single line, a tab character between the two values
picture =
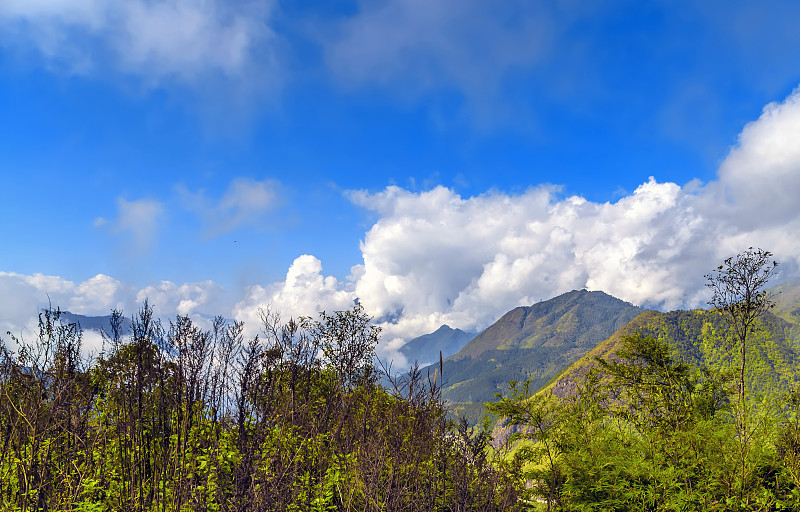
739	294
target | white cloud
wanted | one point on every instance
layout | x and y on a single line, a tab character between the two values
762	173
304	292
245	202
26	294
434	257
181	40
101	293
23	296
169	298
20	301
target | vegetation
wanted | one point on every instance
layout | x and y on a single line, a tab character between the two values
535	342
654	418
740	296
686	410
647	432
177	418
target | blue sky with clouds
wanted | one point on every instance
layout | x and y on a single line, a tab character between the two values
442	161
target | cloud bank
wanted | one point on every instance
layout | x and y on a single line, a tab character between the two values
435	257
22	296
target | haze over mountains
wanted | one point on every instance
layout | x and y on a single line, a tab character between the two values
95	323
556	330
554	342
426	349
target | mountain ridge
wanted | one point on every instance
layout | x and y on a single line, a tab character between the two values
425	349
699	337
534	342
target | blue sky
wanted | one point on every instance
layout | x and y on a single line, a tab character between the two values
442	161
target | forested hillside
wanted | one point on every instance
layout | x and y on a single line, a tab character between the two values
685	410
535	342
666	413
701	338
645	431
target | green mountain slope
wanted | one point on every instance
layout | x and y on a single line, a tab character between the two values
534	342
787	301
700	337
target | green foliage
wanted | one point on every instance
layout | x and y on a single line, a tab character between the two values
646	431
177	418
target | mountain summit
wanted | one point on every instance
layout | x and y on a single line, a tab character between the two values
445	339
535	342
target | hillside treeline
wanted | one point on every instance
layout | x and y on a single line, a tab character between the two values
175	417
644	430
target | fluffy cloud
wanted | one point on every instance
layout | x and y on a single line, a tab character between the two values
761	174
167	39
100	293
23	296
26	293
169	298
434	257
305	291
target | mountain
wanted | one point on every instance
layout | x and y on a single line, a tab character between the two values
787	300
95	323
446	340
699	337
535	342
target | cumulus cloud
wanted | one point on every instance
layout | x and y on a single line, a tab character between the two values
100	293
25	294
304	292
761	172
22	296
245	202
169	298
181	40
434	257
